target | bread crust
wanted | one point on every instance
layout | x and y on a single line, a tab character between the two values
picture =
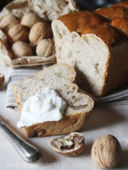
122	4
121	23
112	12
70	123
81	21
86	22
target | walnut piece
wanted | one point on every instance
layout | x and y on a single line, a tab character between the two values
106	152
69	145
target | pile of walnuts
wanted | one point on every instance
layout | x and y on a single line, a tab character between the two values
28	36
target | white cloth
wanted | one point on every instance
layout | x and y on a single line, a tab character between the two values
15	76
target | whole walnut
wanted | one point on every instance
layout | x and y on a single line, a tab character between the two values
29	19
39	31
21	49
106	152
44	48
8	21
18	33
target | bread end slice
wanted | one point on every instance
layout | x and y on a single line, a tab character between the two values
60	78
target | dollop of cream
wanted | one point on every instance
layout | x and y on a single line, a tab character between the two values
44	106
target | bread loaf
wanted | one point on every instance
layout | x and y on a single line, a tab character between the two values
95	49
59	77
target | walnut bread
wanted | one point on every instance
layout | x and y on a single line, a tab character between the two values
59	77
96	50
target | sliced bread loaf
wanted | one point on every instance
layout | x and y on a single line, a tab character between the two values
96	50
60	78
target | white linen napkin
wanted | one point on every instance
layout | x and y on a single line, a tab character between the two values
116	98
15	76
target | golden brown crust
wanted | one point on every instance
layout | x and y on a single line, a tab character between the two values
122	4
107	33
112	12
86	22
70	123
121	23
82	21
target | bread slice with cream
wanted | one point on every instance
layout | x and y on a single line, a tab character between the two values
59	77
95	49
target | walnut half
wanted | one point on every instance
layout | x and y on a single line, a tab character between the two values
69	145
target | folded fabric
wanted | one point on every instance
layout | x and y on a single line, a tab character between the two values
15	76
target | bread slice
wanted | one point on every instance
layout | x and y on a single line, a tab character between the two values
72	144
96	50
59	77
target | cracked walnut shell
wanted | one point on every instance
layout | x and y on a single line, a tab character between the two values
106	152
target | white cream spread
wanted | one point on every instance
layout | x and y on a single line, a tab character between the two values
44	106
